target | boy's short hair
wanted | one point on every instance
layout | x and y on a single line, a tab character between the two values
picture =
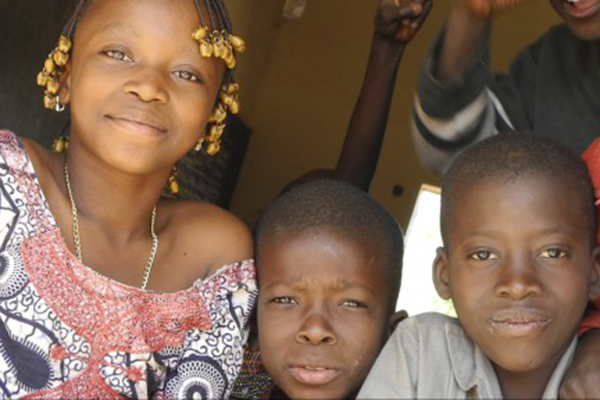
336	207
511	156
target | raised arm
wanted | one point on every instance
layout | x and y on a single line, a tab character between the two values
396	23
453	107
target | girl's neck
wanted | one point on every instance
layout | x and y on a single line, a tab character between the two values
118	201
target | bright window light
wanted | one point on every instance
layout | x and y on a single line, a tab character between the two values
417	294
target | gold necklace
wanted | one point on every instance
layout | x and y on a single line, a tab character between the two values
77	240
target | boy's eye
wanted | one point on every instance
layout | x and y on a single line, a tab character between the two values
285	300
483	255
117	55
354	304
553	253
187	75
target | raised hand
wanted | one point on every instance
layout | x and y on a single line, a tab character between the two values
400	20
488	8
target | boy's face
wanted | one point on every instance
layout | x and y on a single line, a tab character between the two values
139	90
322	313
583	17
519	268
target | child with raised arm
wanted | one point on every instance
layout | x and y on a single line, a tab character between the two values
552	89
107	289
520	262
329	262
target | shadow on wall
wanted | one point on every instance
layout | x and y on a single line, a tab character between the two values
29	30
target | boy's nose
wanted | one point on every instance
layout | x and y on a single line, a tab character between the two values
518	279
316	330
147	84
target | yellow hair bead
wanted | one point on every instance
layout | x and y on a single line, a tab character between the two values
49	101
230	61
199	34
42	79
232	88
52	86
64	44
238	43
49	65
206	49
234	107
60	58
213	148
219	114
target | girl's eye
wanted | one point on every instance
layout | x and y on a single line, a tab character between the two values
186	75
285	300
118	55
354	304
553	253
483	255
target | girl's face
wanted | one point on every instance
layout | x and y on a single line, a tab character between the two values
140	93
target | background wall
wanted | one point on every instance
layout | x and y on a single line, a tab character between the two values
300	80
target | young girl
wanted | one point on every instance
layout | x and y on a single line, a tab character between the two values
107	289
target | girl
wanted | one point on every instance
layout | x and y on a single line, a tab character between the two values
107	289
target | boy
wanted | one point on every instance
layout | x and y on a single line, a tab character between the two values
330	263
519	262
553	87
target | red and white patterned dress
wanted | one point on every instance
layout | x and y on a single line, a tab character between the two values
68	332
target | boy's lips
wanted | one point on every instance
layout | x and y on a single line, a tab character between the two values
313	375
519	321
581	9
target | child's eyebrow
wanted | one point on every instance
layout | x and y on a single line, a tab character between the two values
551	230
119	28
308	284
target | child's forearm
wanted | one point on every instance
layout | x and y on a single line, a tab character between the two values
464	34
362	145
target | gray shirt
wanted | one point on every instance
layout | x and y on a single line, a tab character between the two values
430	356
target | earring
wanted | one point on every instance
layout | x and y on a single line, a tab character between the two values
50	74
172	182
198	145
60	144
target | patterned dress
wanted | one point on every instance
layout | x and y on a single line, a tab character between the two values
67	331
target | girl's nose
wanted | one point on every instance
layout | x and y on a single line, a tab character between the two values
147	84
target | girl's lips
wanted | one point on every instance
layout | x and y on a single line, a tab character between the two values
581	9
313	376
138	126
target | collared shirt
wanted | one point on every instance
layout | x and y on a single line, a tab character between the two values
430	356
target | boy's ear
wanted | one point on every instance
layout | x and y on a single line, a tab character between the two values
64	93
595	277
395	319
441	276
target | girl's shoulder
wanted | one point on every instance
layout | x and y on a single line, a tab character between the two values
214	234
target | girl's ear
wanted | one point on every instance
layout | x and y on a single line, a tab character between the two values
441	274
595	276
64	93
